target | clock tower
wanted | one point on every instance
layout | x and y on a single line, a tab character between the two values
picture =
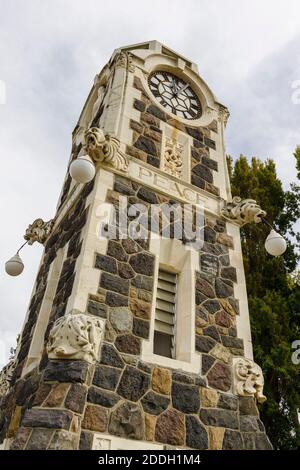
137	335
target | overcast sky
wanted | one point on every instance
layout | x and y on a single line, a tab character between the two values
50	51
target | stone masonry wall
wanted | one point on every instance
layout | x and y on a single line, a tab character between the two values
147	140
62	405
22	393
132	399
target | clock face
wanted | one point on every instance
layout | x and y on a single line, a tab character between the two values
175	95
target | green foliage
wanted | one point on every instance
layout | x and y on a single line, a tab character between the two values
274	294
297	156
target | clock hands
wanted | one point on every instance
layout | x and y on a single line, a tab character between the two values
174	86
176	89
180	90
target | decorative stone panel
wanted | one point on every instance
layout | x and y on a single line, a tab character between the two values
75	336
248	379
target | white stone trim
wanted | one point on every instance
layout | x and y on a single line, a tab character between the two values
37	340
240	291
87	277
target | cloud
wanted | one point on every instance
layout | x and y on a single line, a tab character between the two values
50	52
265	120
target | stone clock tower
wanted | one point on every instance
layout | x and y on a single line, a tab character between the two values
137	335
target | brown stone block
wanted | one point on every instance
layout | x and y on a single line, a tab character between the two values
173	122
56	396
152	134
75	424
161	380
225	239
219	377
136	126
223	319
150	422
209	398
39	439
134	152
170	428
75	400
47	418
204	287
150	119
21	438
15	421
95	418
128	344
41	394
227	307
216	436
140	308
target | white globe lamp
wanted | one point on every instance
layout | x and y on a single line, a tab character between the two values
275	244
14	266
82	169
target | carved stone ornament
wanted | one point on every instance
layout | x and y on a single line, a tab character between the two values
104	149
243	211
38	231
248	379
124	59
173	157
101	444
223	114
5	377
75	336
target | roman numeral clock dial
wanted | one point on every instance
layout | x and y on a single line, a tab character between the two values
175	95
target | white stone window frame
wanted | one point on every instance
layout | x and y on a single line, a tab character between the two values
172	255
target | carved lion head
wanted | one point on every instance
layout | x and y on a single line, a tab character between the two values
94	141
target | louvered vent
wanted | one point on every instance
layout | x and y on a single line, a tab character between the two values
165	314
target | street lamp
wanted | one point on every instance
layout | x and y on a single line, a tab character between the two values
82	169
14	266
275	244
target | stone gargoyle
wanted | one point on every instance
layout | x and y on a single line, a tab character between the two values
243	211
38	231
104	149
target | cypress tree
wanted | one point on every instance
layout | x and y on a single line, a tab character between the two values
273	293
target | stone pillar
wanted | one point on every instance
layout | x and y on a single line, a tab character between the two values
54	420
